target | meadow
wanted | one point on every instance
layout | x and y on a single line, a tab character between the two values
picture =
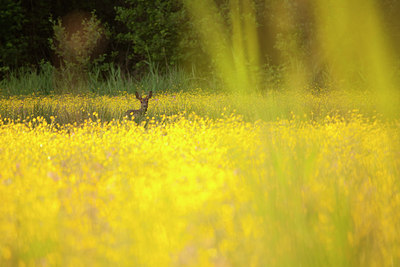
206	179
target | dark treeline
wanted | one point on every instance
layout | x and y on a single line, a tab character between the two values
139	32
136	30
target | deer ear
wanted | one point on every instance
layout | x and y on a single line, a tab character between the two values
150	94
137	95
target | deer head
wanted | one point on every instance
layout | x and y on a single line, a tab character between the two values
144	103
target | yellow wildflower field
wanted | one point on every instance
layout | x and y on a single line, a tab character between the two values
190	189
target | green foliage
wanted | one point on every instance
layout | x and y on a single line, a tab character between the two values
107	79
153	31
75	49
27	81
148	37
12	43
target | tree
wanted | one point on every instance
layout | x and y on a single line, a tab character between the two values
152	32
13	44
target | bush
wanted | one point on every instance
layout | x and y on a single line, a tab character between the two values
154	31
75	50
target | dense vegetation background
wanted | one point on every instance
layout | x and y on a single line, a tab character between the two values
138	34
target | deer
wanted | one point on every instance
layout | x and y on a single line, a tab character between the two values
144	103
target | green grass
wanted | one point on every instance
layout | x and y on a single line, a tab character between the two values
175	91
48	80
270	106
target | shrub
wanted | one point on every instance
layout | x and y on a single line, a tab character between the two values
74	50
155	32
